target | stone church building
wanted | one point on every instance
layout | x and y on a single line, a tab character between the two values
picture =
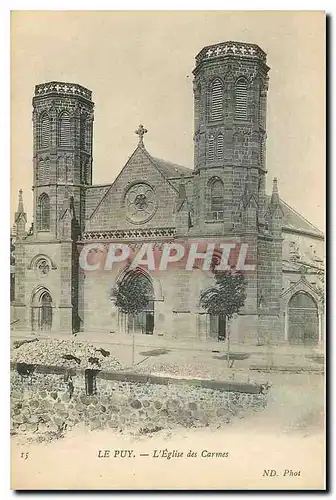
223	198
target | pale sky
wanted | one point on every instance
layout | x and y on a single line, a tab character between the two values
139	68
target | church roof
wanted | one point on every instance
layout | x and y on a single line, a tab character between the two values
171	170
93	196
293	221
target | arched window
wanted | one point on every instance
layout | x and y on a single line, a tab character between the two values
216	199
220	147
43	213
44	132
241	99
64	130
216	100
211	148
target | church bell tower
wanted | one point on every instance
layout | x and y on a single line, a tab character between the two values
62	128
230	89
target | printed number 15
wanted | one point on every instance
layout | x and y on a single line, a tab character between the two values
24	454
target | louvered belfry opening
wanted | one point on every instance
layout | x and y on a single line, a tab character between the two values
211	148
64	130
241	99
216	100
44	139
220	146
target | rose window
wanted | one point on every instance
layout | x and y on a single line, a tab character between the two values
140	203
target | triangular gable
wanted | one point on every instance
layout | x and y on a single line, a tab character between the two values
302	285
138	150
112	212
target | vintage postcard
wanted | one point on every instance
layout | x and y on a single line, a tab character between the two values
167	250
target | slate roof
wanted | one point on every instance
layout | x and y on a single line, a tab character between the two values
93	196
171	170
292	220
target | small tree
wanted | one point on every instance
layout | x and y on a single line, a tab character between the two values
226	296
131	296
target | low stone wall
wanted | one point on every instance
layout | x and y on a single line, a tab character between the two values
43	404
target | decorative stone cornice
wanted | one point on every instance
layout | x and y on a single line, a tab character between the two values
130	234
64	89
239	49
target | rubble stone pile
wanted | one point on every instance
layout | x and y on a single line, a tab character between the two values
64	353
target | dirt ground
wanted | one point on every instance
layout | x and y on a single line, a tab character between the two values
287	438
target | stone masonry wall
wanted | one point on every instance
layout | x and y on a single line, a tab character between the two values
42	404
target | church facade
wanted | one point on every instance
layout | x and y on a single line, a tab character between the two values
222	199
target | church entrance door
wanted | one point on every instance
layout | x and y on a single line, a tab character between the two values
218	327
46	312
42	311
144	321
303	326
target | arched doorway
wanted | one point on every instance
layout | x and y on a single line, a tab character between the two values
41	311
303	323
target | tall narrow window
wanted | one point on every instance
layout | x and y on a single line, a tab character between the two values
211	148
64	130
43	171
43	213
44	136
69	169
241	99
83	132
216	104
217	199
61	169
220	147
88	133
40	171
46	171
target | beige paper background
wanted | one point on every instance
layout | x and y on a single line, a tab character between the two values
139	67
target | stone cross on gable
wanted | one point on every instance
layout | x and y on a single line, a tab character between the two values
141	131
